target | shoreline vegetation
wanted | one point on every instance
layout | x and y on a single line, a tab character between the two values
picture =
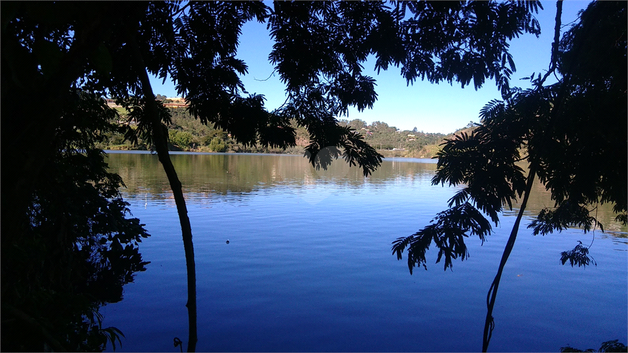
190	135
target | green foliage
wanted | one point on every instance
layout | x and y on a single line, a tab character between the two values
217	145
384	137
181	139
196	135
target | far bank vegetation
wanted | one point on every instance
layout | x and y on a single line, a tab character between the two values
189	134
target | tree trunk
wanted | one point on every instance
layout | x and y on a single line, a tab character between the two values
160	140
489	323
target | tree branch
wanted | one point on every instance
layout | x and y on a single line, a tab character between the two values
554	57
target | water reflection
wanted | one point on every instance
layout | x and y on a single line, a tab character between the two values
220	177
540	198
235	175
320	276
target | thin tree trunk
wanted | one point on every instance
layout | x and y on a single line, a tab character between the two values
160	140
489	323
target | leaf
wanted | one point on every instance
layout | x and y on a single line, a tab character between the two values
492	109
101	58
113	334
459	198
49	56
447	231
511	62
578	256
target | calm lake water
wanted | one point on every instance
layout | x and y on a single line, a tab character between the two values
309	266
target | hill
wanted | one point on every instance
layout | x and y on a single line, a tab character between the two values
189	134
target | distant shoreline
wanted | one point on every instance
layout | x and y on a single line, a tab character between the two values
392	159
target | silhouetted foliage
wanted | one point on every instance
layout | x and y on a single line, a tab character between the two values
320	48
76	250
572	135
50	50
578	256
447	233
608	346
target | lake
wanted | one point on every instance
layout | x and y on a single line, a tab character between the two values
309	267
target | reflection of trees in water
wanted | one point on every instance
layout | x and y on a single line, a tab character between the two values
540	198
74	254
233	176
230	175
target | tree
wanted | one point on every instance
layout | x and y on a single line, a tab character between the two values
217	145
357	124
110	49
181	139
78	248
563	129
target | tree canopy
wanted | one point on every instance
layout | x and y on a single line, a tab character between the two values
571	135
77	249
52	50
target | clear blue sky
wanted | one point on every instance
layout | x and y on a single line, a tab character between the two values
428	107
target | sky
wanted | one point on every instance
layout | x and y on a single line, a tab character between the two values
432	108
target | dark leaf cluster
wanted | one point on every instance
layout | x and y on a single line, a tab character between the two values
485	161
578	256
567	214
572	134
320	47
608	346
137	116
447	231
78	248
587	131
462	41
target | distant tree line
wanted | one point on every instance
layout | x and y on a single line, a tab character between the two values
189	134
186	133
395	142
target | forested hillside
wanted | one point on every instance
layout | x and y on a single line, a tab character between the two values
189	134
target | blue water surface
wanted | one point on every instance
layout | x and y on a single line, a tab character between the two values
309	267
